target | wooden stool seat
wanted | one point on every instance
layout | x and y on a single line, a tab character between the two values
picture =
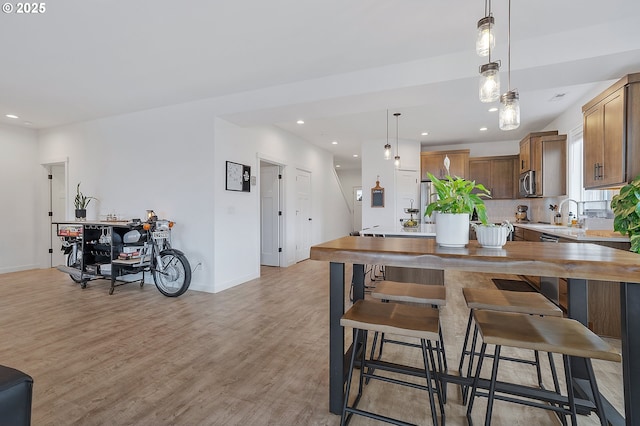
410	292
510	301
548	334
403	320
504	301
406	320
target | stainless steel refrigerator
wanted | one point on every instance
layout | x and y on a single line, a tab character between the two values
427	195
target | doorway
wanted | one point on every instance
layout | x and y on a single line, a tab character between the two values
271	217
357	209
303	215
57	174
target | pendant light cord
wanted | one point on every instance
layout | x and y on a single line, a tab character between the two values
509	47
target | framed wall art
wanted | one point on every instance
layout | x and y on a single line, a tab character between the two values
238	177
377	195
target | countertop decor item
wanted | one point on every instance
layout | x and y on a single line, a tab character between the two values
457	197
81	202
491	235
626	208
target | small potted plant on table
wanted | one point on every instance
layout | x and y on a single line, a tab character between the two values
81	202
457	198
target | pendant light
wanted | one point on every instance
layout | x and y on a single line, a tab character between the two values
396	163
485	40
489	72
509	114
387	147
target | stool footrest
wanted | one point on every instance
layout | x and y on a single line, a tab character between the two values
398	368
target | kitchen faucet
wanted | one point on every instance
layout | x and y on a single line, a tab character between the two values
564	201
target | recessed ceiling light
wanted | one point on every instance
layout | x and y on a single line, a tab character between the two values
355	155
11	116
334	143
493	109
483	129
337	166
300	121
424	133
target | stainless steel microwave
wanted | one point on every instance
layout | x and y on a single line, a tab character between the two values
527	184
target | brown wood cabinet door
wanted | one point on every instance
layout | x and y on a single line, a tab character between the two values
536	163
502	178
431	163
592	139
480	172
525	155
613	171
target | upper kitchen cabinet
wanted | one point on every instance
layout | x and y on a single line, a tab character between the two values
549	164
497	174
526	147
433	162
611	135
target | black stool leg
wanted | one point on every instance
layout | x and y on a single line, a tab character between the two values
536	356
464	345
344	419
569	379
432	404
492	386
444	353
597	398
476	379
465	389
556	386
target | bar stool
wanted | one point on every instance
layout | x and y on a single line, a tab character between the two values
423	294
550	334
505	301
404	320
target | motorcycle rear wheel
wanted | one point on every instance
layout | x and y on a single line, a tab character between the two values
74	263
175	277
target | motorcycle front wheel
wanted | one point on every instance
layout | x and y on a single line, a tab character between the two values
175	276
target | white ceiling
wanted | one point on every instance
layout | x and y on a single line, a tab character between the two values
339	65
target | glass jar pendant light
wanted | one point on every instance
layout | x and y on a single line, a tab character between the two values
509	114
490	82
485	39
387	147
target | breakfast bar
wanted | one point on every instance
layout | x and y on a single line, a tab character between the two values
575	261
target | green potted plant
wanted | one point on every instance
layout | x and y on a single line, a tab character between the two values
81	202
626	208
457	198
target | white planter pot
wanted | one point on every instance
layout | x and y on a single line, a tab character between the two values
492	236
452	230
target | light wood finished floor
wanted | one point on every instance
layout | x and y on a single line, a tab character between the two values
256	354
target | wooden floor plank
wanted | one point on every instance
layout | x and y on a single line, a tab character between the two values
256	354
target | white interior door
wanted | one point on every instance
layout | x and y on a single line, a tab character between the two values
407	189
357	208
58	198
303	215
269	214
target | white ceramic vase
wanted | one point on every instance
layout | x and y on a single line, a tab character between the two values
492	236
452	229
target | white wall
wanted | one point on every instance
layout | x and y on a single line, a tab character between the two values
19	174
373	166
172	160
349	179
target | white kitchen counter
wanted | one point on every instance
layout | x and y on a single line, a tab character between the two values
423	230
577	234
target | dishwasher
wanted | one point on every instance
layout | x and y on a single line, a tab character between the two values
549	286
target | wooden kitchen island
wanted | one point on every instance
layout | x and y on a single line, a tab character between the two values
574	261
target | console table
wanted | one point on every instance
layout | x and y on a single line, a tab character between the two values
575	261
